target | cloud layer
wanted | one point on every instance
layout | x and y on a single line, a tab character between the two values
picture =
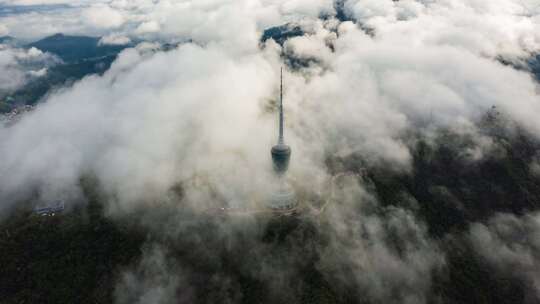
20	65
202	116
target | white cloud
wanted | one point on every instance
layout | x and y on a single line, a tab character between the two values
38	73
366	243
512	246
371	92
156	280
114	39
31	53
103	16
11	77
51	2
149	87
488	28
361	95
147	27
16	64
4	31
166	19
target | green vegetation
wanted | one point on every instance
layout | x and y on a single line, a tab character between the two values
79	257
75	48
81	56
57	77
72	258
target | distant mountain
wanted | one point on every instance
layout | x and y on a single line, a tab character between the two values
280	34
534	65
75	48
81	56
58	76
7	39
341	15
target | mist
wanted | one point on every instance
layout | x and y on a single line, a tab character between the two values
170	135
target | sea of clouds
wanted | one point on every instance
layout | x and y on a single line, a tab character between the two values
204	111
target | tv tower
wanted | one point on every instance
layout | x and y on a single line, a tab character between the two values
283	197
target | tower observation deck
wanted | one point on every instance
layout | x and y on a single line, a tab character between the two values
283	198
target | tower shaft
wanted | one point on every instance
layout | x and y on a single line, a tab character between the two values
281	139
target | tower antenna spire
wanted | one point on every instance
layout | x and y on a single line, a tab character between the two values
281	139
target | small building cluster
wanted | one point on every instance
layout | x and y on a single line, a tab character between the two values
13	116
50	209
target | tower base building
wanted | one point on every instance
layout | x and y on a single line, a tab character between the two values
282	197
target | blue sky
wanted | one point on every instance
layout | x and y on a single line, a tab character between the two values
7	10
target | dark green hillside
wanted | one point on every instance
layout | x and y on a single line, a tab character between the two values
59	76
79	257
534	63
7	39
72	258
449	190
81	56
75	48
280	34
